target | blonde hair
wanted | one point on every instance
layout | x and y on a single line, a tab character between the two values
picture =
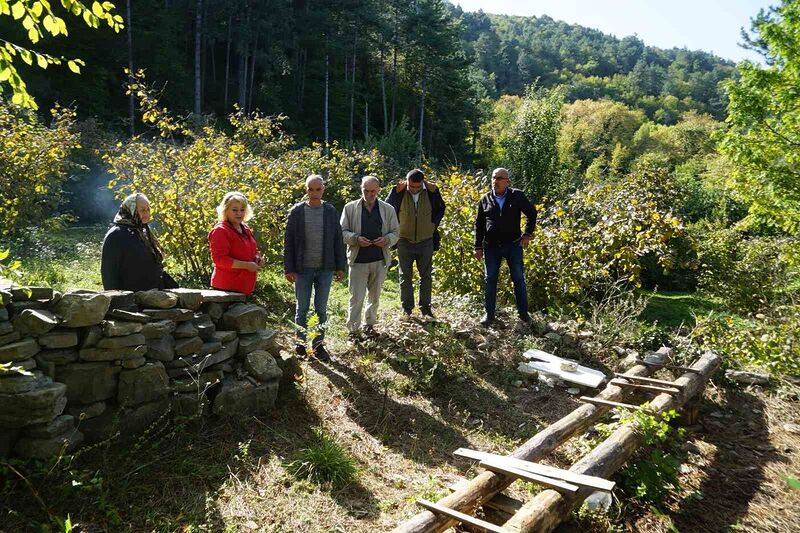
233	196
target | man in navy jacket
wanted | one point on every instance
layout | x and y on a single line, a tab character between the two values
313	252
498	236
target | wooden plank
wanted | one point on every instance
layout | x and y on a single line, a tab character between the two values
500	502
461	517
498	466
654	388
592	482
671	367
650	380
585	376
597	401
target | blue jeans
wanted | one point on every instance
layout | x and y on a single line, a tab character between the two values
320	280
492	257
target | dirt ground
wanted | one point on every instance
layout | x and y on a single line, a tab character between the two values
401	430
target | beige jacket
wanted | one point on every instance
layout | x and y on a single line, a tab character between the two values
351	228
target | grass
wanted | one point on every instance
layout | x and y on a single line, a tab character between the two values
675	309
324	462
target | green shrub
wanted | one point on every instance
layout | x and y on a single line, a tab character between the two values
324	462
770	340
749	274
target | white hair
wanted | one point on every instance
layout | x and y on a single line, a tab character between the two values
314	177
370	179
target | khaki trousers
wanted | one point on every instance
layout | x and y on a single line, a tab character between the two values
365	279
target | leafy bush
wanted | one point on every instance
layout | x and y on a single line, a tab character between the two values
749	275
324	462
770	340
186	174
34	163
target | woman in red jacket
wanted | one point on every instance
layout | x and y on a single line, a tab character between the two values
233	248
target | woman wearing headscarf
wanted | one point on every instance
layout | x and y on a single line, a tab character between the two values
132	259
234	250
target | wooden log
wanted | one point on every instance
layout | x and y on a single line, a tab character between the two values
667	365
648	380
484	486
461	517
642	386
546	510
610	403
536	468
499	502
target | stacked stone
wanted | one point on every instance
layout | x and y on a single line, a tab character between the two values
90	365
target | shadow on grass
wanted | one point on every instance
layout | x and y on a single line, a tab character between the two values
737	471
402	427
176	479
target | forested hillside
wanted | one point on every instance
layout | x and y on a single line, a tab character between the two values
356	69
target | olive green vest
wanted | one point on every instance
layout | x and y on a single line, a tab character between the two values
415	221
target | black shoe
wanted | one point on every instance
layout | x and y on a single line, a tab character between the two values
300	349
322	354
426	311
487	320
353	337
525	319
369	331
407	312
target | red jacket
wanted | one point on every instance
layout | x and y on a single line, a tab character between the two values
226	245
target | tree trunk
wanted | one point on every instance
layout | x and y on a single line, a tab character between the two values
302	89
366	119
383	96
327	89
132	97
353	91
198	41
422	113
394	87
252	74
243	75
228	62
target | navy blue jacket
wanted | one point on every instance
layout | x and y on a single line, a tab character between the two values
494	227
333	254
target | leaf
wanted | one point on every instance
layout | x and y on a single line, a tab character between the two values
792	482
18	10
97	9
37	9
5	73
49	25
33	35
73	66
41	61
4	254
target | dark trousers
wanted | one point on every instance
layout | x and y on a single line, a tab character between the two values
492	257
422	254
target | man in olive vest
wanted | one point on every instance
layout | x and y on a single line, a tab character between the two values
420	208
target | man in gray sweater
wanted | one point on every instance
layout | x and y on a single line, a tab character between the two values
313	252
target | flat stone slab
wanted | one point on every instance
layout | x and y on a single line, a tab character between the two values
162	349
243	398
262	366
118	328
21	294
189	298
225	336
245	318
261	340
58	426
6	327
10	337
197	384
213	310
185	330
130	316
176	314
121	342
205	327
20	350
185	347
82	309
120	299
156	299
159	329
35	321
89	382
5	297
62	356
84	412
136	362
58	339
112	354
214	296
50	447
15	383
144	384
37	406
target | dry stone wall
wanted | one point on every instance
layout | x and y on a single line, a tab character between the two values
88	366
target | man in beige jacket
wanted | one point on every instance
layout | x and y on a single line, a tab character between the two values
369	228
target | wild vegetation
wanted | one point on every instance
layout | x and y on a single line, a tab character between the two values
666	187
